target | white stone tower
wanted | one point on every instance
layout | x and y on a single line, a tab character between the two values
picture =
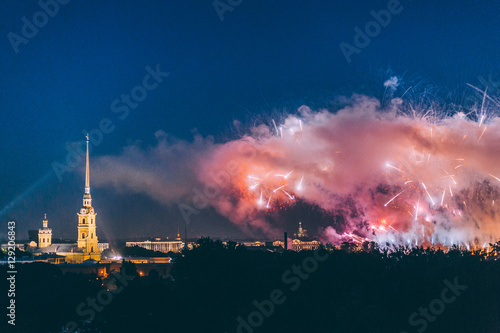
44	234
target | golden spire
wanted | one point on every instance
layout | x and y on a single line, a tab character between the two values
87	199
87	173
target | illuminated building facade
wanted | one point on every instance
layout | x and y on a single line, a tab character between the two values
44	234
87	236
299	245
301	233
162	246
87	246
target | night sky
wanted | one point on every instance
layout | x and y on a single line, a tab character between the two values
262	56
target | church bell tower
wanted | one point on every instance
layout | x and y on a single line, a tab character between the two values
87	237
44	234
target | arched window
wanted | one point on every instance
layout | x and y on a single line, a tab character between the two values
91	236
83	220
91	249
83	235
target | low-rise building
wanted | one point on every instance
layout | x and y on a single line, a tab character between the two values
160	245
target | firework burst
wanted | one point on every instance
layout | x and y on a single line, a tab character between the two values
400	175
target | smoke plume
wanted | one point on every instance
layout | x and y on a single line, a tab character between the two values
397	177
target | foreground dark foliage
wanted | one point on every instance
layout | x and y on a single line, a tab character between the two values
214	284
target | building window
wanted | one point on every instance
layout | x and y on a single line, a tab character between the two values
83	220
83	235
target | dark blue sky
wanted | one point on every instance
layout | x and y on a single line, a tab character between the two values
263	55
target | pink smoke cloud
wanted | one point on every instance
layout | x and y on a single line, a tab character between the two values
396	178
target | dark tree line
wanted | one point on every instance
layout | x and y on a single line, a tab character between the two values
349	290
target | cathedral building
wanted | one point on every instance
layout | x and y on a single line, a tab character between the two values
87	246
87	237
302	233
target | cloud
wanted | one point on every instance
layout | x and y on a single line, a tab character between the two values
392	83
395	178
164	172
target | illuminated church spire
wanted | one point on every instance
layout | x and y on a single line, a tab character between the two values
87	199
88	244
87	176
